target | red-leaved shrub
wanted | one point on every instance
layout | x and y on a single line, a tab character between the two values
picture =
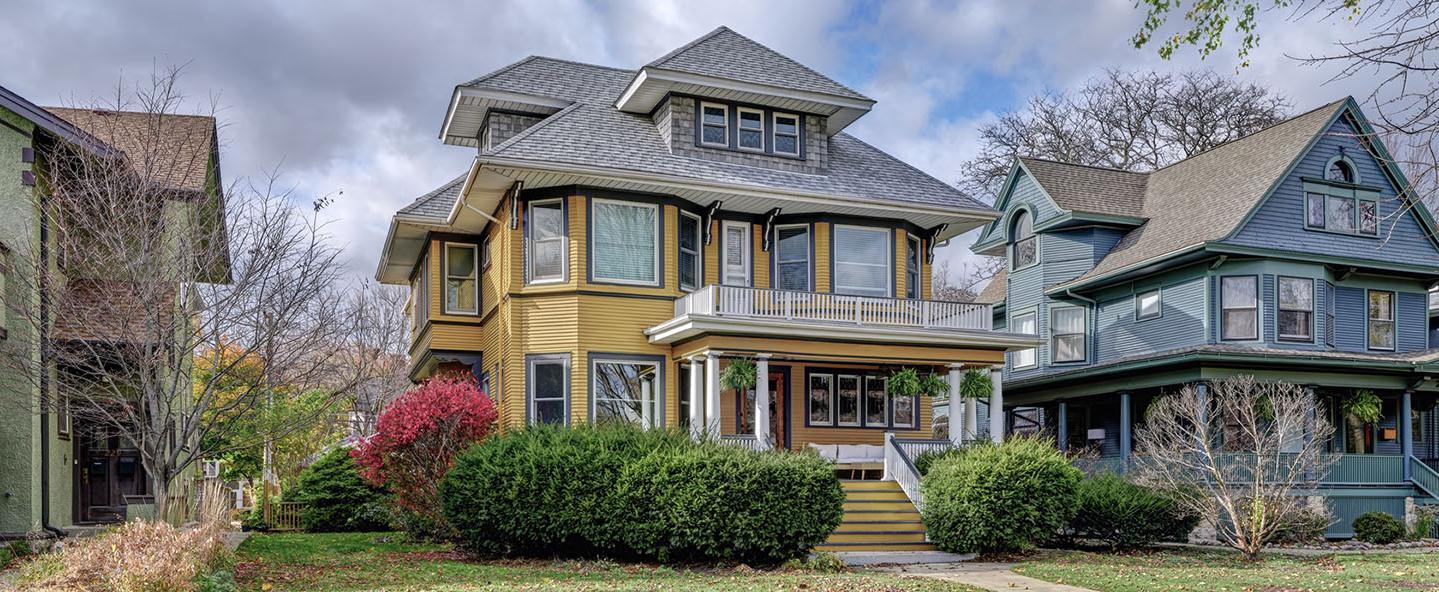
416	440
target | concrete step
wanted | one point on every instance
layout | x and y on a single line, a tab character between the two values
848	547
876	537
880	526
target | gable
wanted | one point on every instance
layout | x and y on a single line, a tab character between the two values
1021	191
1279	221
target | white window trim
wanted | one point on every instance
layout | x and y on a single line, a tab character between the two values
808	256
1084	318
445	265
864	401
657	414
701	124
1159	304
888	261
1258	316
808	401
1392	320
530	277
1280	309
916	248
859	405
1033	351
1011	242
1323	199
774	132
740	128
747	246
698	251
543	359
659	242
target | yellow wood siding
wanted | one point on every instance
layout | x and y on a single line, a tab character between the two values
897	238
760	257
821	257
711	255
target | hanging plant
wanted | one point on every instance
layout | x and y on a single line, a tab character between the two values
738	375
933	385
976	384
1364	406
904	382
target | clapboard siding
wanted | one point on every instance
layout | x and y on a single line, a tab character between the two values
1413	326
1180	324
1279	221
1024	191
1349	319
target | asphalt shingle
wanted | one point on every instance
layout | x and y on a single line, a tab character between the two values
724	53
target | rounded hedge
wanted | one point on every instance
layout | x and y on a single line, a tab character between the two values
336	498
1121	514
999	497
626	493
1379	528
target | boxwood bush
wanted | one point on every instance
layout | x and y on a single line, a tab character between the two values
1121	514
635	494
336	498
1379	528
999	497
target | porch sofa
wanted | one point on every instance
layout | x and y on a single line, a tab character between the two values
850	453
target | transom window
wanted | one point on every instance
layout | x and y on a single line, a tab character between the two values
792	257
751	129
462	293
786	134
626	392
714	124
690	261
1296	309
1022	246
1239	305
625	242
548	388
1381	319
862	261
1067	334
1147	305
547	253
852	400
1027	324
911	268
736	251
1349	215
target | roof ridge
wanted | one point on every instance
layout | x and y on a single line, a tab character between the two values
533	57
1087	166
493	73
100	110
681	49
529	131
725	29
1276	125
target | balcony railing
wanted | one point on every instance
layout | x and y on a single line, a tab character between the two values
735	301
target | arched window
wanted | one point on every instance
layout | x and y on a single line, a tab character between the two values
1339	170
1022	251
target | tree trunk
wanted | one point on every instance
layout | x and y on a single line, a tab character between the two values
161	488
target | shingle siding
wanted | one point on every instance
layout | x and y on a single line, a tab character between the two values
680	136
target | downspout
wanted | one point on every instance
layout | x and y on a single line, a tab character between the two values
44	340
1069	293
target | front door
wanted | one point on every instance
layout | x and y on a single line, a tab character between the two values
108	472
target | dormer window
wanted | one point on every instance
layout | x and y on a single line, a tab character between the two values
1022	251
751	129
714	126
786	134
1339	170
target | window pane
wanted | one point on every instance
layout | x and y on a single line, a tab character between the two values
1293	323
1149	304
460	261
626	393
1368	217
624	241
547	220
751	139
786	125
714	115
793	256
1239	324
1296	293
1024	253
1381	334
1024	358
862	262
549	380
714	135
735	264
751	120
461	295
1316	210
848	403
689	252
1025	323
904	412
786	144
1381	305
549	259
689	233
876	401
1068	320
1240	292
1339	171
550	412
820	400
1069	348
1339	214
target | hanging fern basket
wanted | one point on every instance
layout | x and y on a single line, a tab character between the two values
738	375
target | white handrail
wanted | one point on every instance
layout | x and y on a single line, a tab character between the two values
738	301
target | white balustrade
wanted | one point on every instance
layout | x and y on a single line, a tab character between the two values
737	301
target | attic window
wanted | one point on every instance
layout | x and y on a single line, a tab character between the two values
751	129
1341	171
1022	251
786	134
714	125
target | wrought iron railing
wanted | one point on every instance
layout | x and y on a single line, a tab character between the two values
737	301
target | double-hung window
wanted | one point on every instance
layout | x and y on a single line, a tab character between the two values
1027	324
905	411
547	253
625	242
1147	305
1239	308
821	399
1342	213
420	295
1296	309
751	129
1381	319
690	262
911	268
462	286
1067	334
626	392
735	247
714	124
847	400
792	257
786	134
876	401
548	387
862	261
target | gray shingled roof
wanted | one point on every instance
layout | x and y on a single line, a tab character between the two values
994	291
592	132
437	203
1079	188
723	53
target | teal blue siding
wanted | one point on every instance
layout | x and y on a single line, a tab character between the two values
1180	324
1279	221
1413	315
1023	192
1350	331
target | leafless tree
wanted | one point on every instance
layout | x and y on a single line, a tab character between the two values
965	286
151	271
1241	456
384	366
1135	121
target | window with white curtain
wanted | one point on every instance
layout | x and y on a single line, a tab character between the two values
625	242
1296	309
626	392
792	257
1067	334
736	251
547	256
690	262
1025	323
862	261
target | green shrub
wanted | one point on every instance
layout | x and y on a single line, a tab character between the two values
336	498
1124	515
624	493
926	459
1378	528
1003	497
1425	519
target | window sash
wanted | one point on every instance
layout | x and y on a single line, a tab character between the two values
548	258
625	242
1067	330
1238	307
905	411
1296	309
1023	253
543	406
819	399
792	257
1148	305
1380	316
778	135
619	394
1345	214
1025	323
735	254
464	285
707	125
876	401
847	400
751	132
690	261
854	275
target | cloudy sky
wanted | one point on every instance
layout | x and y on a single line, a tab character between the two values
346	98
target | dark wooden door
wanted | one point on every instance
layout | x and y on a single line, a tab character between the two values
109	471
777	407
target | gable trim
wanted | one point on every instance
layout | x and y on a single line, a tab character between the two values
1006	193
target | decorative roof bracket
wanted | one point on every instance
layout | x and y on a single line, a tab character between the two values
709	219
768	229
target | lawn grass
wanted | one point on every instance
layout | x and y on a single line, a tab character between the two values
1220	571
377	561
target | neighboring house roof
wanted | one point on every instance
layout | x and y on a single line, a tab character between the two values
437	203
993	292
108	311
174	150
51	123
1089	189
724	53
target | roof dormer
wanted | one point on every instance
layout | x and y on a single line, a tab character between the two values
728	66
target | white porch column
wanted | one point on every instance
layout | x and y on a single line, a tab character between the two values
697	397
712	394
761	401
971	419
996	405
956	406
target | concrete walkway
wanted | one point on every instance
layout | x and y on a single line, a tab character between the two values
990	576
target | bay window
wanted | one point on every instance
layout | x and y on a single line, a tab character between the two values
547	256
1027	324
735	250
821	399
690	261
792	257
862	261
1239	308
625	242
626	392
547	388
1067	335
462	288
1296	309
1381	320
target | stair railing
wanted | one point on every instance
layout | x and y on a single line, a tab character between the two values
899	465
1424	477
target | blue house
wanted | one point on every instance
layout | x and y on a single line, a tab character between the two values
1293	254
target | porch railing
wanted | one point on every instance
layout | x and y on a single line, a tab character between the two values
899	455
737	301
1366	468
742	441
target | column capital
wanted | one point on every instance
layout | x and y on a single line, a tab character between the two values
712	354
695	358
762	356
955	366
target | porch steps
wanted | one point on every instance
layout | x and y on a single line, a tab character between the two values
877	517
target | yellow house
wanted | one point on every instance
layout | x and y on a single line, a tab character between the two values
624	235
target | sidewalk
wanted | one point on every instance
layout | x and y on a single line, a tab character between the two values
990	576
